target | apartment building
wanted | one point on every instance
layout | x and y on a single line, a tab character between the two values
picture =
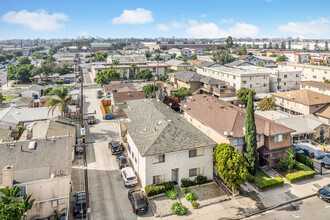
162	146
41	169
302	58
132	58
320	87
309	72
301	102
225	123
256	79
282	80
207	58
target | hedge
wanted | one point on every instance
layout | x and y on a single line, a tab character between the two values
199	180
302	174
270	183
301	166
305	160
156	189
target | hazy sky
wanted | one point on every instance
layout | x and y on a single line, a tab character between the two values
180	18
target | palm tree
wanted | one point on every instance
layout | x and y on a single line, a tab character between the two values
116	63
147	54
62	100
134	66
157	58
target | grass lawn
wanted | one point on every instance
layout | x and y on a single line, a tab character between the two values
8	98
260	176
284	173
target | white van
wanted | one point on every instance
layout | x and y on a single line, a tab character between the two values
129	176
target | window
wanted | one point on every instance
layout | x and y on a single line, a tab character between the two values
132	154
250	78
158	179
135	160
158	159
316	106
196	152
238	141
285	83
265	84
22	192
129	148
285	76
250	86
243	82
258	137
196	171
314	77
278	138
234	77
272	156
265	77
297	75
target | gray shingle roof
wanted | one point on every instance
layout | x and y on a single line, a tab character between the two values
41	163
157	129
187	76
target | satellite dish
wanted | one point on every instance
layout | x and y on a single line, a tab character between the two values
225	133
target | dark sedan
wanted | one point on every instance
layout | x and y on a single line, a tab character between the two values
326	161
122	162
324	193
138	201
79	206
115	147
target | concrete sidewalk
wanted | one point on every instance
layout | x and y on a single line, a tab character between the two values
289	192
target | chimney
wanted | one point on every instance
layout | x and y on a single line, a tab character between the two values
7	176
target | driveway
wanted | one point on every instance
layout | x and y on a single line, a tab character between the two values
107	192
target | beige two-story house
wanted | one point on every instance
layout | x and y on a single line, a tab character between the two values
225	123
301	102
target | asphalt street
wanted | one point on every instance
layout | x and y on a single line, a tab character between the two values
312	208
108	194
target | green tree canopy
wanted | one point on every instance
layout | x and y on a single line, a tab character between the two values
229	42
231	165
105	76
24	72
181	93
39	55
283	47
24	60
222	57
147	55
11	207
62	100
148	90
62	70
18	53
250	149
267	104
282	58
144	74
2	58
243	94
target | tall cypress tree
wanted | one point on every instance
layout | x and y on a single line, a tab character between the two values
250	151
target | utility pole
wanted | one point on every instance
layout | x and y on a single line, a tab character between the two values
83	136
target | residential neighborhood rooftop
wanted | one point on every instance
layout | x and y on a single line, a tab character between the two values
320	85
324	112
305	97
120	97
227	118
115	86
156	129
47	159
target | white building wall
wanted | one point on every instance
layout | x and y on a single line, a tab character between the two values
312	73
288	81
145	169
323	91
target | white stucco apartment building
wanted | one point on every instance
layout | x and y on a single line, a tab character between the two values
238	77
162	146
310	72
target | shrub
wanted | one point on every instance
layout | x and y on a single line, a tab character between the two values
186	190
171	194
153	190
251	178
186	182
301	166
293	177
301	158
191	197
282	165
156	189
179	209
195	204
270	183
309	163
201	179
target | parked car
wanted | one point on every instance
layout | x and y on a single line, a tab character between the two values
299	150
129	177
99	94
138	201
324	193
115	147
79	206
326	161
318	153
78	149
91	120
122	162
